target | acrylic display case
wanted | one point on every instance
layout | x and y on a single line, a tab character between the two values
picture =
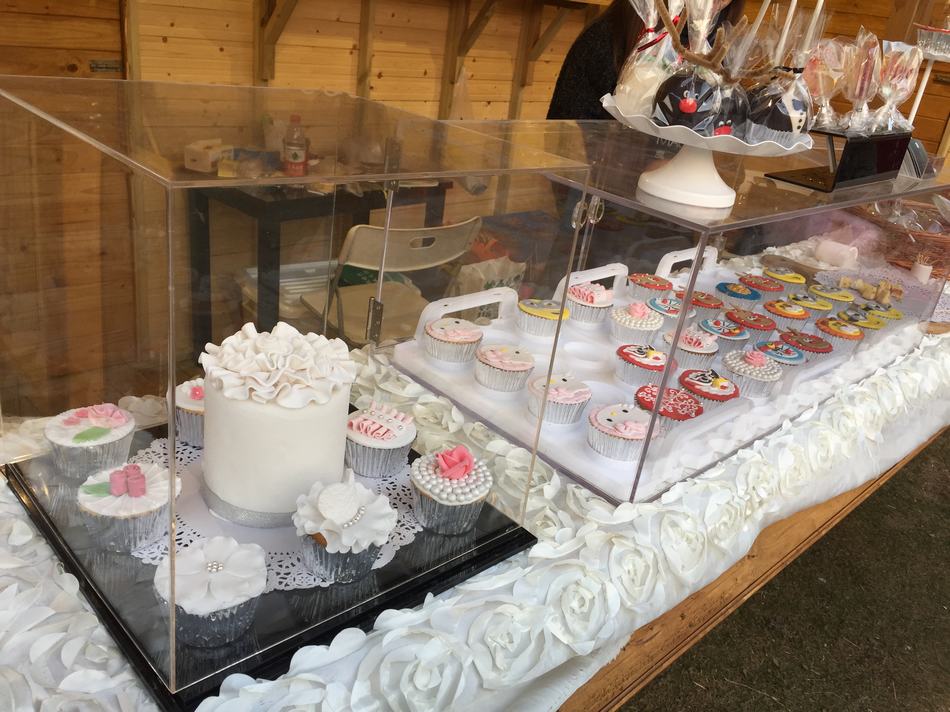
153	235
874	257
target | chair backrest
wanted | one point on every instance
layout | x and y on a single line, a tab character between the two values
409	248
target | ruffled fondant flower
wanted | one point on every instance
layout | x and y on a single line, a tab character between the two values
757	481
683	543
633	566
438	422
638	310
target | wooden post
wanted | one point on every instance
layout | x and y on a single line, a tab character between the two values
270	30
530	33
458	20
364	64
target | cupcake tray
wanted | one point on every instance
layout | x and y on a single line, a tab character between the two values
119	586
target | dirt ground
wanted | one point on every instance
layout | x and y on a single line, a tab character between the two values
859	622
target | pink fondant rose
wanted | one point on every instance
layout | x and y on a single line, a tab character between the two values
105	415
456	463
638	310
128	480
197	393
755	358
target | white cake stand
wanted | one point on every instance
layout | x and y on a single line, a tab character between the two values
691	177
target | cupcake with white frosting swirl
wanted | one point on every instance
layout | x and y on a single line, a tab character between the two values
449	489
190	412
502	367
343	527
589	302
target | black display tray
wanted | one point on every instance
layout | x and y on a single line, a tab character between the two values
119	588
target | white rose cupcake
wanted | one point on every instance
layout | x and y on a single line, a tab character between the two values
618	431
344	525
635	323
538	317
190	412
378	440
451	339
589	302
449	489
503	367
566	398
127	507
87	440
218	584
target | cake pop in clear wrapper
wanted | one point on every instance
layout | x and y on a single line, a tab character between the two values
823	74
652	61
779	111
862	75
899	67
691	98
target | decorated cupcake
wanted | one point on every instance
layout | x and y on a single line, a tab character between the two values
816	306
786	314
502	367
789	277
707	305
126	507
767	287
91	439
843	336
883	311
782	353
538	317
833	293
190	412
589	302
696	348
731	336
343	526
451	339
449	489
677	407
708	386
218	584
638	365
752	371
618	431
669	309
635	323
871	325
814	347
753	321
566	398
378	439
647	286
739	293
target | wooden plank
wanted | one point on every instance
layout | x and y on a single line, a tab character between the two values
74	33
274	26
56	61
549	32
102	9
364	63
474	30
458	19
657	645
530	30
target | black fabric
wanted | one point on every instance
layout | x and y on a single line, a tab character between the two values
587	74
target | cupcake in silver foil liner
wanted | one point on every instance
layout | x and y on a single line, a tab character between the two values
449	489
378	440
450	339
566	399
89	439
342	567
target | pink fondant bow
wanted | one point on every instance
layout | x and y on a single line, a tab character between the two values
454	464
128	480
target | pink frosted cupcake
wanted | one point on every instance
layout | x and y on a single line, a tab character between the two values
502	367
589	302
566	398
696	348
635	323
451	339
618	431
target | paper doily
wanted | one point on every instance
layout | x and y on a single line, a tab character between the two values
285	569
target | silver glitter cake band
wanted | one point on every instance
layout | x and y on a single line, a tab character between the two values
245	517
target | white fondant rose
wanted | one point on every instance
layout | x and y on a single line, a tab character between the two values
583	602
632	564
841	417
822	445
546	523
868	411
683	543
515	480
757	481
438	423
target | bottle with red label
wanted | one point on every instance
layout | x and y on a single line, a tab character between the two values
295	148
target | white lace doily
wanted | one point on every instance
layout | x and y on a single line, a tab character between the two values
285	570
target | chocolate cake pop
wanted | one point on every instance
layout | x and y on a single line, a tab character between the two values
687	99
779	112
733	112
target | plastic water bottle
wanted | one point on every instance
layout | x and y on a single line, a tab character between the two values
295	148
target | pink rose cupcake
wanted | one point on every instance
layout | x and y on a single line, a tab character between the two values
589	302
190	412
91	439
449	489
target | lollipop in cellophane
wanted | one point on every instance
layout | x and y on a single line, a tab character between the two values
899	68
862	75
823	74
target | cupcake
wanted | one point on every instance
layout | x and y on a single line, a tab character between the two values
538	317
190	412
791	279
126	507
782	353
884	311
707	385
832	293
786	314
378	439
218	584
503	367
814	347
647	286
678	406
449	489
91	439
871	325
451	339
767	287
844	337
696	348
731	336
753	321
706	305
739	294
638	365
816	306
343	526
752	371
618	431
635	323
566	398
589	302
669	309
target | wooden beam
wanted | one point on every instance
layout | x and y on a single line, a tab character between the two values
364	63
129	17
475	29
549	33
271	26
458	19
530	31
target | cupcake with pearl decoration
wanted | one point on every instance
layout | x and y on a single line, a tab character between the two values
378	439
452	340
190	412
343	526
635	323
589	302
449	489
752	371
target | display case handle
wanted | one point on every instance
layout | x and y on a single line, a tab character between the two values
505	297
671	259
615	269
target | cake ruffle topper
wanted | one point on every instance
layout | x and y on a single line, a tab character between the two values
379	422
591	293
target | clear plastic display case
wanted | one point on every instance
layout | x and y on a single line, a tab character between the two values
793	295
198	349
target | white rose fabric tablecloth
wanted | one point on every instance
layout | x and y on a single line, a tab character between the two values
528	632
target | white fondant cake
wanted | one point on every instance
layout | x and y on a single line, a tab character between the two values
275	420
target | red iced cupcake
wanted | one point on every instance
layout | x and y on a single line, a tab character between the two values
646	286
814	347
678	406
709	385
766	286
751	320
708	305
